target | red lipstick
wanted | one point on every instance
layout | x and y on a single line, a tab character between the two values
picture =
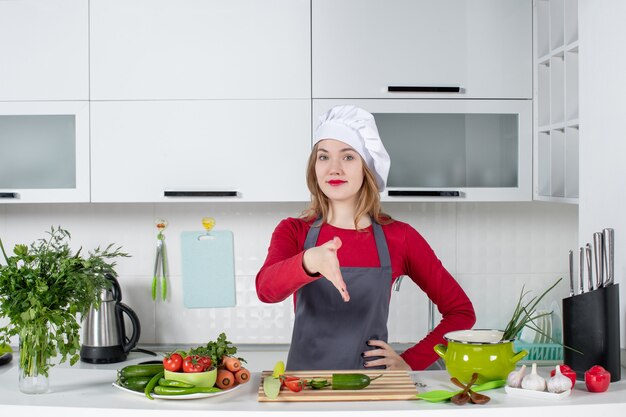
334	183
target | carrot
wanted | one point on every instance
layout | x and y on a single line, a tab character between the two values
231	363
225	379
242	376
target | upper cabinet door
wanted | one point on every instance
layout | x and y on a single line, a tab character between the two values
44	50
200	49
483	48
200	150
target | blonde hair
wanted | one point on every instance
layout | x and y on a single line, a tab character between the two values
368	201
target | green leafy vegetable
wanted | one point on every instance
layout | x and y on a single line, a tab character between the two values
525	315
44	288
216	349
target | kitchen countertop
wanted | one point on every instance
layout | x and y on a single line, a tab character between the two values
86	389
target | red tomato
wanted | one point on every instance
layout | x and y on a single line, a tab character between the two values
597	379
285	378
173	362
568	372
205	361
191	365
294	385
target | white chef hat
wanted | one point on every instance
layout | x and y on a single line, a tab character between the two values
357	128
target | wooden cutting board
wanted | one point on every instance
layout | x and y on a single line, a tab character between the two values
393	385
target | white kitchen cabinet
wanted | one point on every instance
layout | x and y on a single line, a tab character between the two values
200	49
361	48
556	106
44	50
44	152
200	150
452	150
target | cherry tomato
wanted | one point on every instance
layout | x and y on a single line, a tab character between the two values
597	379
568	372
285	378
173	362
294	385
191	365
205	361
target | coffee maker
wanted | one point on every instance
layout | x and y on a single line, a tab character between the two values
104	334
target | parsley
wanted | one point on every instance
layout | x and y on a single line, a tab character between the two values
44	288
216	350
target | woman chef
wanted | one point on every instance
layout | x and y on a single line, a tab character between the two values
341	257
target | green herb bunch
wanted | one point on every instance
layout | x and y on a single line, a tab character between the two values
216	349
44	288
525	315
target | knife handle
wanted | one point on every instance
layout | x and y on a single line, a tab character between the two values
598	247
571	273
581	269
609	249
589	267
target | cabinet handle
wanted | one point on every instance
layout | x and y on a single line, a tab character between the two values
200	193
8	195
422	89
410	193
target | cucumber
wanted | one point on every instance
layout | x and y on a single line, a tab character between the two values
318	383
132	371
351	381
161	390
137	383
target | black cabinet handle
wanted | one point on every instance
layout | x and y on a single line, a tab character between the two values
200	193
422	89
410	193
8	195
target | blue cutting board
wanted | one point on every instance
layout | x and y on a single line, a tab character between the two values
208	269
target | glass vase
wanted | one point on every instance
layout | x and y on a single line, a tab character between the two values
34	360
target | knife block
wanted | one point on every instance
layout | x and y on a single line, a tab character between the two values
591	326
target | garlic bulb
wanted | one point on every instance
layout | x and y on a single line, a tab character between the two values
514	380
534	381
559	382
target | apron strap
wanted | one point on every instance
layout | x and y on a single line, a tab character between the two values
379	236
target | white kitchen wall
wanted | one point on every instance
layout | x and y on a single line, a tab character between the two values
493	249
602	145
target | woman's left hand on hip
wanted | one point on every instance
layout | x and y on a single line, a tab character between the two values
390	359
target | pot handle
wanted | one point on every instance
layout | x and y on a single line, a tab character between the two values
519	355
441	350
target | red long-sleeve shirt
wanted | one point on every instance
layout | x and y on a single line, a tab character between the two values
283	274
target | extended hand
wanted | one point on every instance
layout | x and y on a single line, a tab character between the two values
323	260
390	359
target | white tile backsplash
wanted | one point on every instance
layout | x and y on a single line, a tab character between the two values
491	248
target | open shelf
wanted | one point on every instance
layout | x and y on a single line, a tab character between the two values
556	103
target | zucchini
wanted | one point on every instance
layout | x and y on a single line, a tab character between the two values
351	381
132	371
161	390
137	383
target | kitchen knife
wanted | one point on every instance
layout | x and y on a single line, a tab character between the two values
581	269
598	248
571	273
609	249
589	268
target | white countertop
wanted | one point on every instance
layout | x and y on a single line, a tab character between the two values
86	390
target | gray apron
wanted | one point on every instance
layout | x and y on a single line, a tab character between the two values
329	333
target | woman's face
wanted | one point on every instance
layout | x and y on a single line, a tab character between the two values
339	170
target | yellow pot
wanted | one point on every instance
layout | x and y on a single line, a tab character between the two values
478	351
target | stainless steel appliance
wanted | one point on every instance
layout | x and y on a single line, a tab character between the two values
104	334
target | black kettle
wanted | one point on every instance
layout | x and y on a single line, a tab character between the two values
104	335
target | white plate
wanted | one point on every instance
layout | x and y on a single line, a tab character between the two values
179	397
543	395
